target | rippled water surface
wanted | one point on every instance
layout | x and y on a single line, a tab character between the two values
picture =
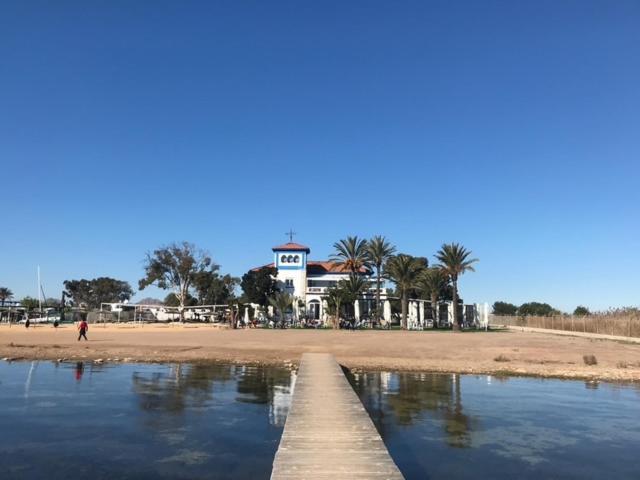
479	427
64	421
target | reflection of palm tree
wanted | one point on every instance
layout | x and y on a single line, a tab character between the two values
416	394
457	424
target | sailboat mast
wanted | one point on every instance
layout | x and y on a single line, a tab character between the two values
39	292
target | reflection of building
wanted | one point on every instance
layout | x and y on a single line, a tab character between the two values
282	396
308	280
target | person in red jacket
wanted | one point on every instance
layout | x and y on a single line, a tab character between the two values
83	327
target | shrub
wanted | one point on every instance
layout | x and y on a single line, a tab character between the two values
501	358
581	311
590	360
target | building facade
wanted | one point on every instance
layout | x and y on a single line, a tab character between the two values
308	280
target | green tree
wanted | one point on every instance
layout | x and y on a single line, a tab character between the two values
404	270
433	284
454	261
581	311
172	301
29	303
175	266
379	250
99	290
537	309
504	308
213	289
351	254
259	285
52	302
282	302
5	294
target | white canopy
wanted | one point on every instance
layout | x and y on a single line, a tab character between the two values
387	311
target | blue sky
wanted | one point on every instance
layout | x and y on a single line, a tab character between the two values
511	127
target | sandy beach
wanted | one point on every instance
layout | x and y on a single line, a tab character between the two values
497	352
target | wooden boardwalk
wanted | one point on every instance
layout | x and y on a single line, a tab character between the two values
328	433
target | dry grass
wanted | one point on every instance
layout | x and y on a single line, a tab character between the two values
502	358
621	322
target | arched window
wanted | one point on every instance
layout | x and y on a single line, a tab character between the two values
283	259
290	259
296	259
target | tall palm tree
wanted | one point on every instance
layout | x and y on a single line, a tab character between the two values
431	283
379	250
5	294
404	271
351	253
281	301
454	261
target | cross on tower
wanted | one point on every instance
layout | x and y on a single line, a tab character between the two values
291	233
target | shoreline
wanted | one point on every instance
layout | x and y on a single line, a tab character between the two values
499	353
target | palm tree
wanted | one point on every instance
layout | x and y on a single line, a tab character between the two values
454	261
351	253
281	301
5	294
336	297
354	287
404	271
432	282
379	250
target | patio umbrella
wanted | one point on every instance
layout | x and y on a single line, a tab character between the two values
387	311
246	315
356	309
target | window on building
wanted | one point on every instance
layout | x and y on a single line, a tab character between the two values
283	259
296	259
290	259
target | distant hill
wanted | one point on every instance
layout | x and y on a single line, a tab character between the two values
150	301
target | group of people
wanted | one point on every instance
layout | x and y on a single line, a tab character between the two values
83	327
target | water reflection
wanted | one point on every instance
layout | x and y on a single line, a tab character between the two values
79	371
453	426
140	421
194	386
409	396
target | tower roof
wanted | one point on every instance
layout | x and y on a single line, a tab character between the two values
291	247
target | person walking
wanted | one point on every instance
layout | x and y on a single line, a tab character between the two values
82	328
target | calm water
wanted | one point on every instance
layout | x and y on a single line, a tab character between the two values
61	421
479	427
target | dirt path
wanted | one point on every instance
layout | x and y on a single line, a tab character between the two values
520	353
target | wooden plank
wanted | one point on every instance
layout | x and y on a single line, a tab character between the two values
328	433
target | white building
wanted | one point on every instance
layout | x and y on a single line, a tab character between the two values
307	280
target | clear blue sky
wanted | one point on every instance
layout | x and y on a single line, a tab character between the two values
512	127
